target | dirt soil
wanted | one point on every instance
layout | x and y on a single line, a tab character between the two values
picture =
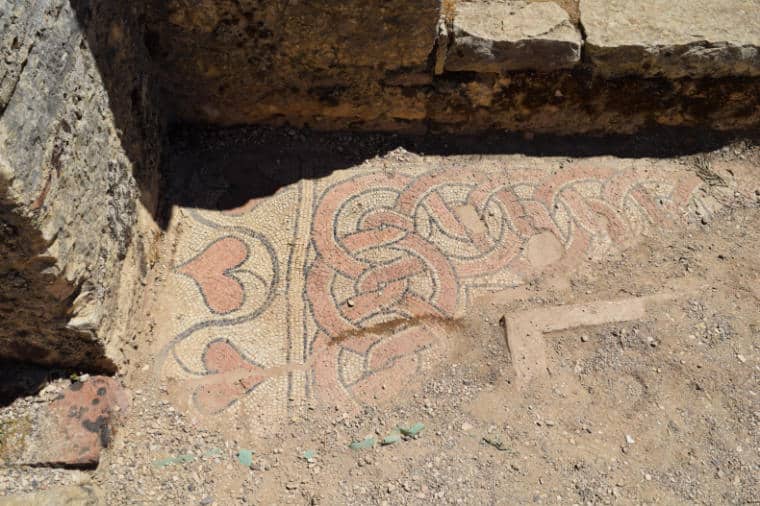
630	373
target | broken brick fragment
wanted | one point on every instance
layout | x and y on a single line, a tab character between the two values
74	428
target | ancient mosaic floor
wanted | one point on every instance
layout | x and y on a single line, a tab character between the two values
340	290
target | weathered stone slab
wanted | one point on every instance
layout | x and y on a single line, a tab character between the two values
673	38
74	495
78	134
497	36
73	429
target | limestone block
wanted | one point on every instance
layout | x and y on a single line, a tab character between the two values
498	36
77	126
673	38
73	495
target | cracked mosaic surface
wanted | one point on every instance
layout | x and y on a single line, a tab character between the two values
337	290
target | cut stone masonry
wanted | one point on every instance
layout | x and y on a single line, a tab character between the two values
496	37
485	64
79	151
673	38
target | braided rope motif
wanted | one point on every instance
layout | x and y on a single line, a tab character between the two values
396	248
389	257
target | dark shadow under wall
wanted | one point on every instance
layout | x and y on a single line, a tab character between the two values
22	380
253	162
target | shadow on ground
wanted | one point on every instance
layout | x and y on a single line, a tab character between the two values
241	164
21	380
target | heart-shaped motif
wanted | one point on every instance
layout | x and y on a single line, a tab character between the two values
231	376
212	271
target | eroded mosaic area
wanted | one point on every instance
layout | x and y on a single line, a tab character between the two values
338	290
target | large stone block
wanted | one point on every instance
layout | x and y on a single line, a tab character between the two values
673	38
72	495
78	137
499	36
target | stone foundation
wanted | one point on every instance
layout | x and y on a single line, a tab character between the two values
79	153
465	66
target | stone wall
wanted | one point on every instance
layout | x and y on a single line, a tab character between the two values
460	65
79	148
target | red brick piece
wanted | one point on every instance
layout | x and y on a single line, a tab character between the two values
73	429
